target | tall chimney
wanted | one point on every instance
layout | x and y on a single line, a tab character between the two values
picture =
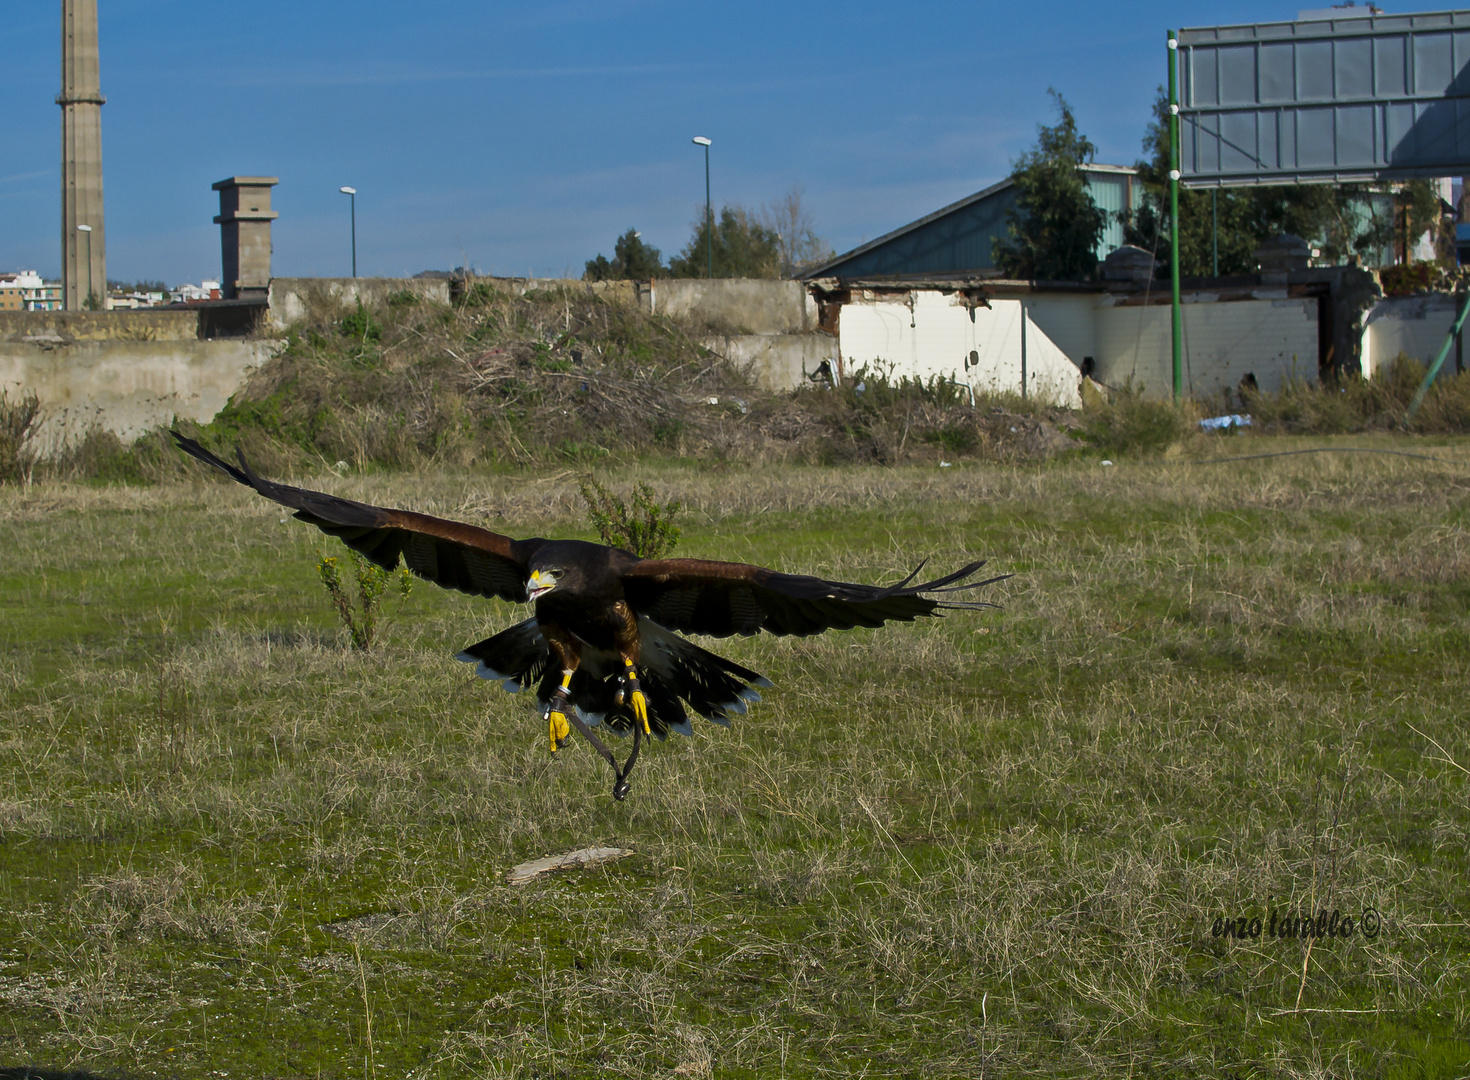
83	252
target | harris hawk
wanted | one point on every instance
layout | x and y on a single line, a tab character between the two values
603	647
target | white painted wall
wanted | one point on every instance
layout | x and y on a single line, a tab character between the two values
1417	325
1273	339
933	334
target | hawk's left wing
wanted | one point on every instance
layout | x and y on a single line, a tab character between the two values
449	553
698	596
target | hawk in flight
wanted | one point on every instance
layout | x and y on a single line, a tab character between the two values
603	647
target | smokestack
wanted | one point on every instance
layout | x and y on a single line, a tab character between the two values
83	251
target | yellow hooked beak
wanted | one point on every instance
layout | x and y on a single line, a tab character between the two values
539	585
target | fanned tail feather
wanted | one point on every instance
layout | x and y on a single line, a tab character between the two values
673	672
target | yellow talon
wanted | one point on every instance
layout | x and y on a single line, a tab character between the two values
560	730
636	701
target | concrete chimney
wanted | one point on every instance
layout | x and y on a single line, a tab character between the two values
244	221
83	251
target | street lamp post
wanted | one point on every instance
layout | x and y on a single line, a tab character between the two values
709	213
86	230
352	191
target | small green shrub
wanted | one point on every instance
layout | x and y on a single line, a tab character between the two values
955	438
647	529
361	618
359	323
1129	423
18	422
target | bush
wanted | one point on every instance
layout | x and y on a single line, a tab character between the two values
1127	423
1355	404
18	422
647	529
359	603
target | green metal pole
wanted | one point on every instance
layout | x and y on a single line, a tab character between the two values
1177	315
1214	232
1438	363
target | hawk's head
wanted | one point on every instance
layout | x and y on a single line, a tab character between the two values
542	581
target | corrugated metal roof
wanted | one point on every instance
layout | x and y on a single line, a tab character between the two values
958	238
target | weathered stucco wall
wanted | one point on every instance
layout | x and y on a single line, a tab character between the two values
1272	339
1068	320
291	298
933	335
57	327
1416	325
777	361
126	387
735	305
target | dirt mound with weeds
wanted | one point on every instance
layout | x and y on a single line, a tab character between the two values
506	378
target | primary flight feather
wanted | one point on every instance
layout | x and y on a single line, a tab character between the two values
603	647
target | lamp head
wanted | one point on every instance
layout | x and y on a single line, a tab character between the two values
700	140
348	190
84	228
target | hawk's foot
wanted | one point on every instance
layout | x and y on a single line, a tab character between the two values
636	699
556	718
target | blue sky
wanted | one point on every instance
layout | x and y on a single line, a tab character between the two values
523	138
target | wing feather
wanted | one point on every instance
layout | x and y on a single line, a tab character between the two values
699	596
452	554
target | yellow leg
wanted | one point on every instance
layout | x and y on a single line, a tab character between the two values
561	731
636	701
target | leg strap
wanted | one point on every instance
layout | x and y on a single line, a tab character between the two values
621	785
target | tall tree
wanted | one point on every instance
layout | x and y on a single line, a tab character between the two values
797	239
1054	228
632	260
743	247
1340	220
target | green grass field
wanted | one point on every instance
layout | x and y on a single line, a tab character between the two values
994	844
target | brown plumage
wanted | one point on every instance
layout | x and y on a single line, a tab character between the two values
603	647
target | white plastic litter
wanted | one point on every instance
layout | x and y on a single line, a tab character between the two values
1215	423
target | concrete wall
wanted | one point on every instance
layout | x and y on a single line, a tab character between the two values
59	327
926	333
125	387
624	292
933	335
1273	339
735	305
1069	320
291	298
777	361
1416	325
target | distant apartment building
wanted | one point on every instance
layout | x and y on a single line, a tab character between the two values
193	294
24	290
127	301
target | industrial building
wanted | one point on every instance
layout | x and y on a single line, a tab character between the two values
958	239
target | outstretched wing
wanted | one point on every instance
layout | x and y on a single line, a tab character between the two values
448	553
720	599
